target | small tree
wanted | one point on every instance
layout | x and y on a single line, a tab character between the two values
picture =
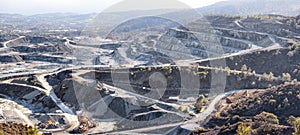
228	70
286	77
249	70
271	76
201	101
295	122
33	130
244	68
265	76
244	130
253	72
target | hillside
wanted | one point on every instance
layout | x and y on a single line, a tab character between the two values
269	111
251	7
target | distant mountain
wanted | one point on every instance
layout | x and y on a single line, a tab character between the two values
250	7
105	22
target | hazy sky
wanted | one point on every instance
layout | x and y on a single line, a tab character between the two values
86	6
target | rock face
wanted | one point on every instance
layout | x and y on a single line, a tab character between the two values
46	58
141	27
36	40
196	44
138	43
7	37
32	48
17	42
110	46
36	49
15	91
122	108
10	58
210	36
176	44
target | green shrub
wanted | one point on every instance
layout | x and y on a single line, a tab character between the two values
286	77
33	130
200	103
295	122
243	129
244	68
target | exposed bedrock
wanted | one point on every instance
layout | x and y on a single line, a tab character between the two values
10	58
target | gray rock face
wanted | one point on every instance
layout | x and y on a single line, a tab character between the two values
191	44
208	37
10	58
39	57
35	48
17	42
36	40
110	46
